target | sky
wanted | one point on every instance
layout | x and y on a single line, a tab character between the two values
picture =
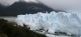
7	2
10	2
55	4
62	4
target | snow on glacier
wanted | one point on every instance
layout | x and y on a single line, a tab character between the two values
52	22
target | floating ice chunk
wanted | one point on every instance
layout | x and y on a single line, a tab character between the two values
49	35
52	22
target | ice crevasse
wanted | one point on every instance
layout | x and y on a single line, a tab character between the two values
61	21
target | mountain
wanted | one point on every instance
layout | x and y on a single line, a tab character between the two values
2	9
24	8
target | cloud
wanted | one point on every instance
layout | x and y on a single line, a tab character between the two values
7	2
62	4
55	4
31	1
10	2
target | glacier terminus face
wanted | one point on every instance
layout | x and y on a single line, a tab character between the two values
52	22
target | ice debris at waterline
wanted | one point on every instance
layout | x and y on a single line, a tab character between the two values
52	22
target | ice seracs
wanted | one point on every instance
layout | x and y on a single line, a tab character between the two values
52	22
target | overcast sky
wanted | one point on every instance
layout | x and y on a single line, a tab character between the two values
55	4
9	2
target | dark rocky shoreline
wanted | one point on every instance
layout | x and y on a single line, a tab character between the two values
10	29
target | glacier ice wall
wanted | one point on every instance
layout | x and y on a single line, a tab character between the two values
52	22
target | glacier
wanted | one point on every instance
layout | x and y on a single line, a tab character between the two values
52	22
